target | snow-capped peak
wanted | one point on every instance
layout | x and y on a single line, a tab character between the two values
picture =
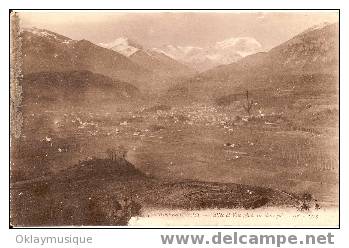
122	45
222	52
242	45
179	52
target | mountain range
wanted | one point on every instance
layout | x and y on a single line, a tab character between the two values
312	52
45	51
222	52
180	58
155	61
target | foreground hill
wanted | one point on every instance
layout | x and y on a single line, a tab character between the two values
105	192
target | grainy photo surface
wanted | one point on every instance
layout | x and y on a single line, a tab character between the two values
174	118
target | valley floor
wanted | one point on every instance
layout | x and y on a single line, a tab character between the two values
181	157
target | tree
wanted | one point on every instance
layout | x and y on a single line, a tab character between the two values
121	151
110	154
118	153
248	105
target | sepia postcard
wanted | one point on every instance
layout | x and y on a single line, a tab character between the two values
174	118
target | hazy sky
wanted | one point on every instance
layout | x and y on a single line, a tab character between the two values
178	28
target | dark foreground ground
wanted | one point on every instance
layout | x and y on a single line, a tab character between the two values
106	192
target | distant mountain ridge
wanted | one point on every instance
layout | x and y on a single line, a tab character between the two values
222	52
46	51
155	61
123	45
312	52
